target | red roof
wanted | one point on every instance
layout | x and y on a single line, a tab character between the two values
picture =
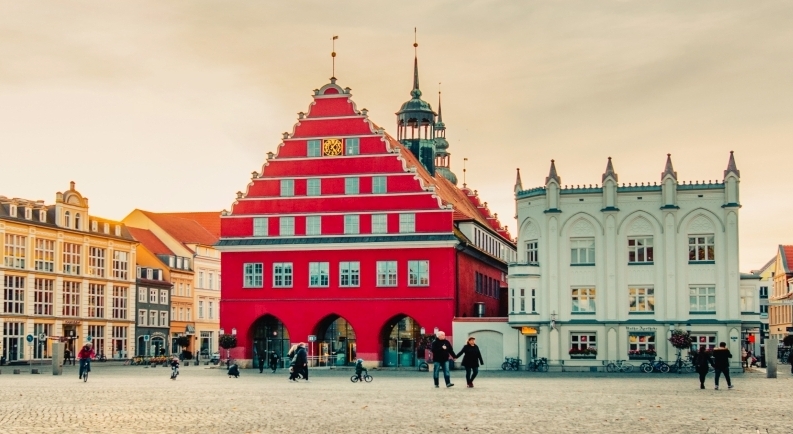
185	229
150	241
787	258
209	220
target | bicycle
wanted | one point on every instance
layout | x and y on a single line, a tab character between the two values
366	377
538	365
655	365
84	370
510	364
174	372
619	366
424	366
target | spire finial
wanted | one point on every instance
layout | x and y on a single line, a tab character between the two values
415	93
669	170
518	183
610	172
333	55
731	167
440	112
552	176
465	160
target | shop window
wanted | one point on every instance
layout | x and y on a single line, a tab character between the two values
641	345
583	345
703	340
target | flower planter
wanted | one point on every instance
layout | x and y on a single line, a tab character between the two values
583	356
641	357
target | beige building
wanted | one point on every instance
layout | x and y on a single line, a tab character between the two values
66	275
190	239
780	316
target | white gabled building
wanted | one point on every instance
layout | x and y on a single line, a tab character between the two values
617	267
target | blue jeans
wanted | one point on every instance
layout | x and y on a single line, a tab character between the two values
436	372
85	366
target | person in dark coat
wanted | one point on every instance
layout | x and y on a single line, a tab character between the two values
274	360
67	357
261	360
790	361
301	361
702	364
721	363
472	358
442	354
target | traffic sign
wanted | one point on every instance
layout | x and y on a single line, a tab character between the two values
89	338
146	338
42	337
29	338
312	338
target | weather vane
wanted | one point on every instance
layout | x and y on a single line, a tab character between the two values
333	54
465	160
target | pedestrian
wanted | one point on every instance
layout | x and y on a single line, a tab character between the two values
744	357
790	361
301	360
472	358
274	360
67	356
85	355
702	364
721	363
360	370
293	371
442	355
261	362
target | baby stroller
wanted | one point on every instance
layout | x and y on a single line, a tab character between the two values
234	371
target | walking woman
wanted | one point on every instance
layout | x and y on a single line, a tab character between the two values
702	364
472	358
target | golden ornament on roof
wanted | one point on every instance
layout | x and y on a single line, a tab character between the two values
332	147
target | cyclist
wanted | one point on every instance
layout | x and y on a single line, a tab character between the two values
174	367
85	355
360	371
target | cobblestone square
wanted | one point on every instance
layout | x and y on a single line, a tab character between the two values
136	399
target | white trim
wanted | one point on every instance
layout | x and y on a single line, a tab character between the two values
331	196
308	213
340	246
327	157
320	118
290	237
335	136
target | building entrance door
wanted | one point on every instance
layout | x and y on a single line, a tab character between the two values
13	346
400	338
70	332
269	334
337	345
531	348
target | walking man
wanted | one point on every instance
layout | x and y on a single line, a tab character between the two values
274	361
721	363
301	362
442	355
261	362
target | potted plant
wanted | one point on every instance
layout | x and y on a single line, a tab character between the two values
583	353
227	342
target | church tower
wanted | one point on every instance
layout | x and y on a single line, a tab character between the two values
442	155
416	123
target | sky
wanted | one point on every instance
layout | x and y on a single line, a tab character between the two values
169	106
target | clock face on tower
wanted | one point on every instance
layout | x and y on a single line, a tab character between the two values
332	147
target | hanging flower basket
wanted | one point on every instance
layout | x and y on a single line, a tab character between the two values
681	339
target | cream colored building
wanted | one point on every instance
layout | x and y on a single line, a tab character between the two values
65	274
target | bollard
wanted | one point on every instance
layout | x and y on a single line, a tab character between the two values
34	371
17	371
771	357
57	358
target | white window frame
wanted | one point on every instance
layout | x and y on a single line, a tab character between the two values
702	299
352	224
120	265
582	251
13	295
533	252
641	250
15	251
143	316
120	302
261	227
286	226
407	223
583	340
43	216
96	300
314	225
747	299
387	273
287	187
379	223
314	187
283	275
419	273
164	297
319	274
584	299
352	185
153	295
43	296
701	248
164	318
707	340
200	309
142	294
211	310
349	274
70	297
352	146
253	275
379	185
71	258
641	299
96	261
200	279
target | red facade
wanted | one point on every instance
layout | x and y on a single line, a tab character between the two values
347	237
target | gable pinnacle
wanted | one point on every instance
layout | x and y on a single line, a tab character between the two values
610	172
552	175
518	183
731	167
669	170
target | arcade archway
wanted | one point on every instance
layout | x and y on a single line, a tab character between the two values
336	342
269	334
400	337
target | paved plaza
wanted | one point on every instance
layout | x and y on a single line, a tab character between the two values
136	399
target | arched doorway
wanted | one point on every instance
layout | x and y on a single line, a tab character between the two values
157	346
336	346
401	336
269	334
491	345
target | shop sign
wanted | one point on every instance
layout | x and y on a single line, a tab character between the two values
641	329
72	321
528	331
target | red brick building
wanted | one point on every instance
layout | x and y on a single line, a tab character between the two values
359	239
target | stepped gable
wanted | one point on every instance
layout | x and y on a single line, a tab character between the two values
150	241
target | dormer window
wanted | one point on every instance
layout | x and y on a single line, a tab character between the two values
28	213
118	230
12	210
67	219
43	216
77	221
94	225
106	228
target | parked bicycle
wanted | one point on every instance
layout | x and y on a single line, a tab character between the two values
538	365
655	365
424	366
619	366
510	364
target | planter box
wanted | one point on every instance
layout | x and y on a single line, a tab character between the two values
641	357
583	356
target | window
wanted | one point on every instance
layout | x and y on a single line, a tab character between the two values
67	219
582	251
164	296
211	310
77	221
71	298
314	225
379	223
71	258
200	279
200	309
211	281
45	255
351	224
641	344
153	296
42	216
583	341
287	226
12	210
532	254
287	187
313	187
352	146
28	213
378	184
14	294
141	295
313	149
94	226
349	274
702	299
763	292
260	228
181	289
15	251
181	314
583	299
106	228
418	273
407	223
120	265
163	319
96	300
254	275
351	185
533	300
96	262
43	296
700	248
97	333
640	250
703	340
641	299
318	273
282	274
747	299
386	273
119	302
764	310
119	342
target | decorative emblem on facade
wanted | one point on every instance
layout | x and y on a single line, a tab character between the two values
332	147
701	224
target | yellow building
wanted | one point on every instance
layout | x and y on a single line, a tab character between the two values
189	238
780	316
65	274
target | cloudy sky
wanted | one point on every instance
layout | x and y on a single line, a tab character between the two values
170	105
